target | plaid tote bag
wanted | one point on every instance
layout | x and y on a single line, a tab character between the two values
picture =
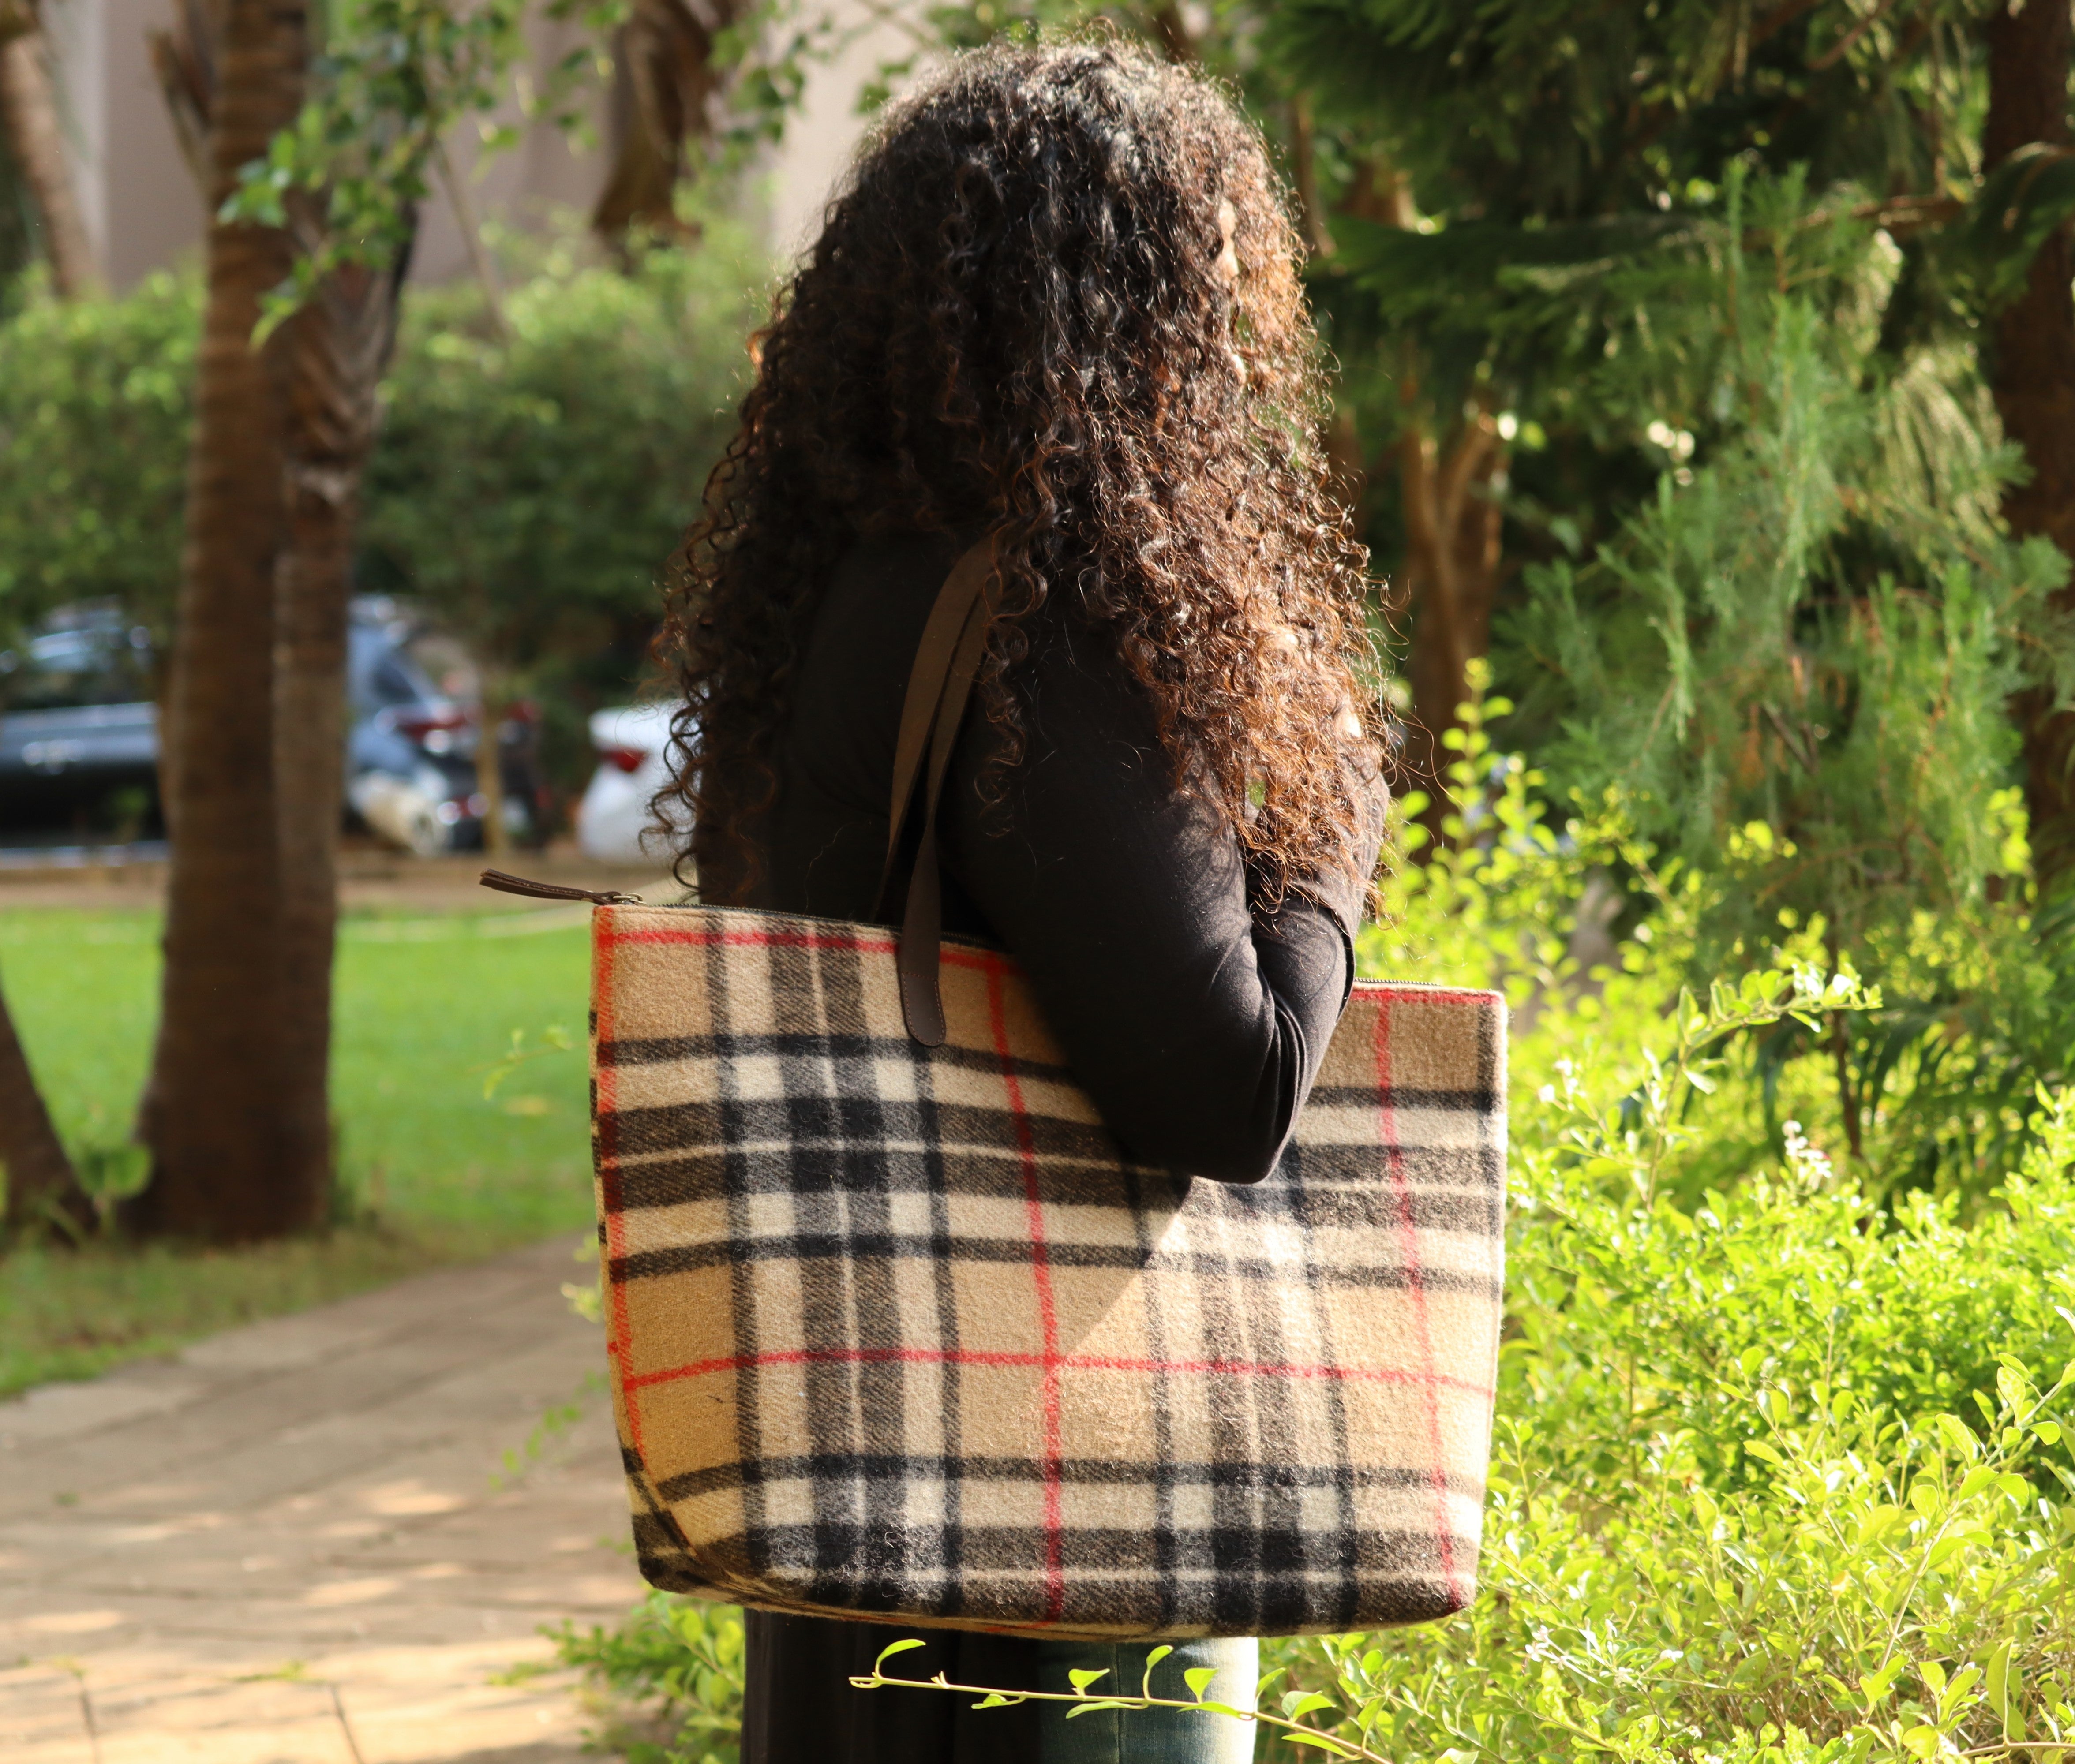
897	1331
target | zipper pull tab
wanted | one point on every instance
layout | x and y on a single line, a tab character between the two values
552	891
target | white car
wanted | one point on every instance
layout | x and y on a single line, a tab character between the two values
634	760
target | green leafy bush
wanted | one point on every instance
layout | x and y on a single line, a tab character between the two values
529	486
1771	1480
96	402
680	1658
526	487
1780	1472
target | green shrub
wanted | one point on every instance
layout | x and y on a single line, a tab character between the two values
1773	1478
1780	1471
528	488
681	1657
96	402
525	488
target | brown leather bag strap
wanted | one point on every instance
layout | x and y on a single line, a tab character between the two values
926	681
939	687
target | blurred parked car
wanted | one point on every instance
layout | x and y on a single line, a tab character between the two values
634	760
78	736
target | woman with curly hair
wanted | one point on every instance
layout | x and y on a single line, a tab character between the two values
1056	304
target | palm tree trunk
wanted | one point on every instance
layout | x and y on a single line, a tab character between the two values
668	79
2032	373
333	354
29	108
226	1165
42	1189
327	362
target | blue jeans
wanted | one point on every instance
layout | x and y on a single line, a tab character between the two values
1149	1736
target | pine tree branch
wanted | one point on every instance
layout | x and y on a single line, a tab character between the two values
1844	46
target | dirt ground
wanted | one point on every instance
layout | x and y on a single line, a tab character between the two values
372	879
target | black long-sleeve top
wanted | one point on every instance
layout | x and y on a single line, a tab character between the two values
1195	1022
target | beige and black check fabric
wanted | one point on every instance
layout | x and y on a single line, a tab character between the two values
896	1332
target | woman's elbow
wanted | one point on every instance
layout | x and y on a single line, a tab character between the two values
1223	1115
1217	1145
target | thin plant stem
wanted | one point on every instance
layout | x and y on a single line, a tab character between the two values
877	1680
471	226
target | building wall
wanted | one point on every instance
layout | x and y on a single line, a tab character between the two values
143	211
821	138
137	197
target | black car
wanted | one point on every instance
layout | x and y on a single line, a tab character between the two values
79	737
79	734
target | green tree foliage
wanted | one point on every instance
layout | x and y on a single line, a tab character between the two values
1782	1473
96	403
397	77
527	488
1816	625
1755	476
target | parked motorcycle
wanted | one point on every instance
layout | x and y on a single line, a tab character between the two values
411	759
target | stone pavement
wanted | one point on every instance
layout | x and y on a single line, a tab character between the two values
286	1546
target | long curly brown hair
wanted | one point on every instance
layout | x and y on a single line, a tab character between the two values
1020	316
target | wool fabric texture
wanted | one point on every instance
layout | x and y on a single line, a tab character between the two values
898	1331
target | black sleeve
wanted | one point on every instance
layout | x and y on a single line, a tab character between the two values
1196	1024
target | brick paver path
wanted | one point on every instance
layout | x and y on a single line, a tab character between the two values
285	1546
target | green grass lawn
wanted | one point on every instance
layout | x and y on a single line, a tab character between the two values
431	1169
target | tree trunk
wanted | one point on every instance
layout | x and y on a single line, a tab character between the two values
29	108
1451	578
1452	522
225	1163
489	768
2032	373
327	362
332	355
42	1189
662	96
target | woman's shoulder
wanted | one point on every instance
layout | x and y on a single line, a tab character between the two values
854	668
879	596
871	614
889	572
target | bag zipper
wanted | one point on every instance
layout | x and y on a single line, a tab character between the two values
552	891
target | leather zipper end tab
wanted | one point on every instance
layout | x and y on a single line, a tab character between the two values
552	891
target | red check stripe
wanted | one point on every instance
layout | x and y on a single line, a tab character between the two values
1409	1237
977	1356
605	1077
